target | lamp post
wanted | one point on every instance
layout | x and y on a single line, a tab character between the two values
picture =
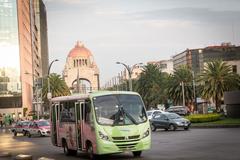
129	69
49	94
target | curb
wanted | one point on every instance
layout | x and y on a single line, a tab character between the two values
216	126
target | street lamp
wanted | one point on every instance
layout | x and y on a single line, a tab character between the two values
129	69
49	94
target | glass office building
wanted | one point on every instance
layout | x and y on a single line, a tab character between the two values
10	84
21	55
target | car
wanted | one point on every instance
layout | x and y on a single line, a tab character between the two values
180	110
169	121
39	128
20	127
152	113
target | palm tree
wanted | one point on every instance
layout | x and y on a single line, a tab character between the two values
58	86
216	78
181	75
151	85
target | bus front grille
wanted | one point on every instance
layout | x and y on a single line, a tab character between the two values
126	139
134	137
118	138
130	146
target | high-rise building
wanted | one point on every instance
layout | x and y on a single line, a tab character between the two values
196	58
164	65
23	32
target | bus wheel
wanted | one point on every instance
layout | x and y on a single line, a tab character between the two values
137	153
15	133
92	156
67	151
24	133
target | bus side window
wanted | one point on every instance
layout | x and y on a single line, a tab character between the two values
67	112
87	111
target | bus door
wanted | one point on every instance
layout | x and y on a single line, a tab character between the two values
54	119
79	108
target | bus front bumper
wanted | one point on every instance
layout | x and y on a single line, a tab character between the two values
110	147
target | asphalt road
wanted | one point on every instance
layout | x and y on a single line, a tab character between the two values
195	144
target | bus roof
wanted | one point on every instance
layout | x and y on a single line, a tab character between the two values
89	95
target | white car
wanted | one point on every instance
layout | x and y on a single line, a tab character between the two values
40	128
152	113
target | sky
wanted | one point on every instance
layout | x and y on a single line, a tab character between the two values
137	31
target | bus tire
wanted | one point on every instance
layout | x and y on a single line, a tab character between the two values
137	153
15	133
91	155
24	133
68	152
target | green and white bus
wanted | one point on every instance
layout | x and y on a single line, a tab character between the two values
104	122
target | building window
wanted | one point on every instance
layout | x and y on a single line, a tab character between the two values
234	68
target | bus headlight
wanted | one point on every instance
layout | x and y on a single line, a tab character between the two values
103	136
145	134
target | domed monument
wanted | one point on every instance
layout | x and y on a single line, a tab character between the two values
81	72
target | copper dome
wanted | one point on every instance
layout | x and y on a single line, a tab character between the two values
80	51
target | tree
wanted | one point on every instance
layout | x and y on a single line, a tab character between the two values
151	85
58	86
216	78
181	75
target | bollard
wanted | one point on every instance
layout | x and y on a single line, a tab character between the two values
45	158
23	157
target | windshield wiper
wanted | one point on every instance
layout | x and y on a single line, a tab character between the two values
121	112
128	115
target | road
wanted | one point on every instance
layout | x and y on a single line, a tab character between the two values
195	144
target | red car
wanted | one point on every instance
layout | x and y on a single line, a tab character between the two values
20	127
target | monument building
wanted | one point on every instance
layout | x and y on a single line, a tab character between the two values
81	73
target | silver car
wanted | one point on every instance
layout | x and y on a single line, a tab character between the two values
169	121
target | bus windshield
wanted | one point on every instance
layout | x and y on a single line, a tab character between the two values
119	109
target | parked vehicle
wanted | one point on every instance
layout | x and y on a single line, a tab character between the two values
180	110
152	113
169	121
40	128
20	127
98	123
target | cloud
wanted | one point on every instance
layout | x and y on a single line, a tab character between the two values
197	15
